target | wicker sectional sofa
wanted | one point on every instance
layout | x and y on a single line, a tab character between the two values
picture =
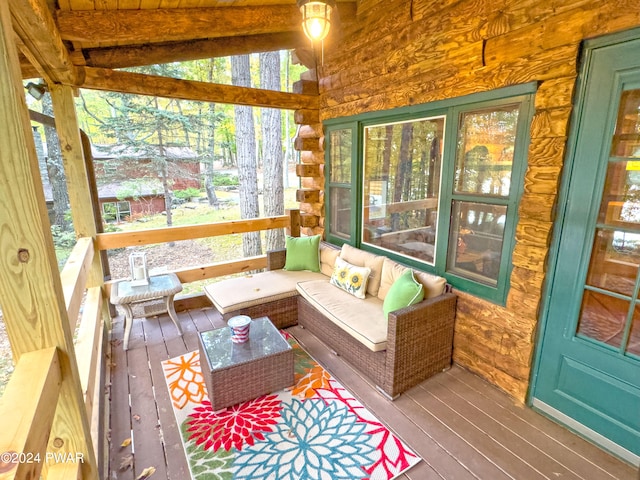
396	354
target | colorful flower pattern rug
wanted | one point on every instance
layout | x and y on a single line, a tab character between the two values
313	430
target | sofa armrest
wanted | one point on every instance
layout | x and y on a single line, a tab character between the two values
276	259
419	342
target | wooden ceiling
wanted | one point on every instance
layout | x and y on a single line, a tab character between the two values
55	36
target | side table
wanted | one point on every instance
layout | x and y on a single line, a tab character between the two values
164	286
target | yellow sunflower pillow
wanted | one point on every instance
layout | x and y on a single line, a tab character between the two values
350	278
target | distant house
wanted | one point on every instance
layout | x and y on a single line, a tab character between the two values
128	182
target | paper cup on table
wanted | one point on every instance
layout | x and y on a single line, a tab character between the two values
239	326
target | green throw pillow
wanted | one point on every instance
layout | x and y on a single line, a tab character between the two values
303	253
405	291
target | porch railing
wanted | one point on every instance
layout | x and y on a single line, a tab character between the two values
33	392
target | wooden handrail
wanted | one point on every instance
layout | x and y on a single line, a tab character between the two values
107	241
35	386
74	278
88	345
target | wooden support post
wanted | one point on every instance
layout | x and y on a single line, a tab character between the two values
30	288
82	211
293	229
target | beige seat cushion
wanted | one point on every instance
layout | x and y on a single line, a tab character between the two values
433	284
362	319
233	294
360	258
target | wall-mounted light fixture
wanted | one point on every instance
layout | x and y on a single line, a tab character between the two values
36	90
316	18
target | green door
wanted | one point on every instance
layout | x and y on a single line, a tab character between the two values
588	369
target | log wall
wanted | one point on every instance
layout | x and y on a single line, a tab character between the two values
401	52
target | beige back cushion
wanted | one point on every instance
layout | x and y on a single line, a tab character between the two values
360	258
328	257
390	272
433	285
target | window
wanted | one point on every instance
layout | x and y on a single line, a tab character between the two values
435	186
401	185
114	212
340	213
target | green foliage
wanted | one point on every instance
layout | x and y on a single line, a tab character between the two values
226	180
63	238
187	194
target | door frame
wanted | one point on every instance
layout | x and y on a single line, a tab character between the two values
588	47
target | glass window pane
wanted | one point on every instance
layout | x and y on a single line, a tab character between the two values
475	240
626	140
340	212
484	157
633	345
401	186
340	155
603	318
614	261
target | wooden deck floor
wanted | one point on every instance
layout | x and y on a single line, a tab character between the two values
461	426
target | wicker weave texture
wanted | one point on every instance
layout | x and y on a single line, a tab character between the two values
419	343
373	364
283	313
249	380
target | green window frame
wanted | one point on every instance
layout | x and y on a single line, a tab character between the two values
480	156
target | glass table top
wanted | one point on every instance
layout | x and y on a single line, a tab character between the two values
160	285
264	340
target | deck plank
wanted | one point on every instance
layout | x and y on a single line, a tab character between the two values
577	454
461	426
119	411
177	468
148	447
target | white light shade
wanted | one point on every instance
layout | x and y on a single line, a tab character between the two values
316	18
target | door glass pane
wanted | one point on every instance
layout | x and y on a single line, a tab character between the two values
626	141
340	160
614	261
340	212
485	148
401	186
603	318
475	242
620	204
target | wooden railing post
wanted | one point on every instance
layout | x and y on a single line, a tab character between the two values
293	229
80	198
31	293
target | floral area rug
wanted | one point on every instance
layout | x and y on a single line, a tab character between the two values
313	430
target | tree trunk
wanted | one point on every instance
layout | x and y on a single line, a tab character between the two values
246	159
55	169
210	167
403	170
162	159
273	189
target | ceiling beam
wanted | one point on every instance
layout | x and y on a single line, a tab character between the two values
134	56
141	84
41	41
28	70
93	27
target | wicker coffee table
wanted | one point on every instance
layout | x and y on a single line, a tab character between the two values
237	372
